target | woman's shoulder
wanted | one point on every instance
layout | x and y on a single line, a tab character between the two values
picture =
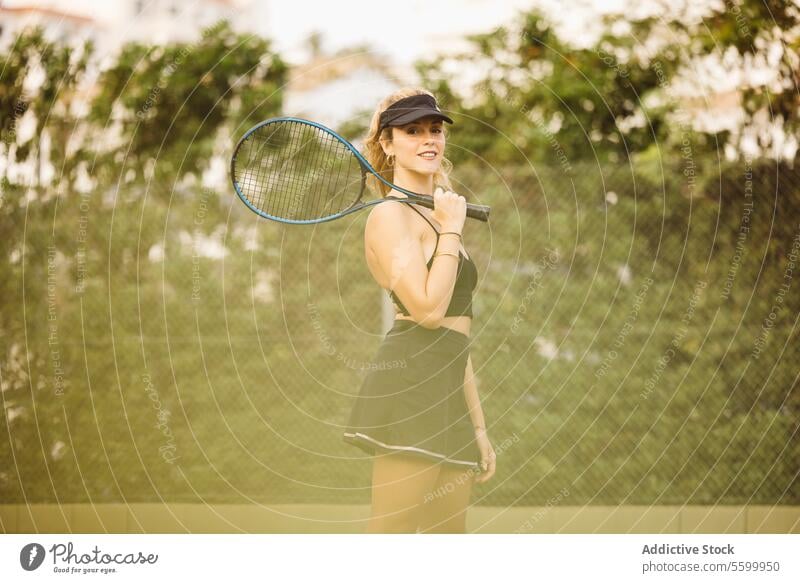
387	213
388	225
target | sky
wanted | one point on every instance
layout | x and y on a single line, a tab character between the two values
414	29
404	31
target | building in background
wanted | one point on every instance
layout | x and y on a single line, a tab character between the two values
111	24
62	26
334	89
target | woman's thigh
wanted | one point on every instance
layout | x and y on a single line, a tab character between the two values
400	482
445	508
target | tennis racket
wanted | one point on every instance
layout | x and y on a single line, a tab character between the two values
297	171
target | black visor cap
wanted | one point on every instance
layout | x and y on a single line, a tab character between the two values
411	109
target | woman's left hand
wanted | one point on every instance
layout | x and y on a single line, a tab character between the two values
487	456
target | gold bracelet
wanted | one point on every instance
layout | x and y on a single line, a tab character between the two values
443	253
479	427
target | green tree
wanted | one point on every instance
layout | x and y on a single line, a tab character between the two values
542	96
169	102
754	36
61	69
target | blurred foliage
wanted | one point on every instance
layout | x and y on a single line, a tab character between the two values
62	69
540	92
542	99
169	102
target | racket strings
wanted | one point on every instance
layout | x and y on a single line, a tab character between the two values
297	171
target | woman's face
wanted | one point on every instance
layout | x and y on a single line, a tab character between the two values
419	146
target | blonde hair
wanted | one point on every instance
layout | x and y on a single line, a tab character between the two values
377	158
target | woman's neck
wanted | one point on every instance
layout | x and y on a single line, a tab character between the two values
413	181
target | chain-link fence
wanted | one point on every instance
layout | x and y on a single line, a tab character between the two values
634	342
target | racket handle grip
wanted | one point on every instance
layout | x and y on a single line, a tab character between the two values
474	211
478	211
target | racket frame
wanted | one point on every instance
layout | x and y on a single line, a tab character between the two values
480	212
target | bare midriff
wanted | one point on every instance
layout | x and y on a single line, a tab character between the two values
458	323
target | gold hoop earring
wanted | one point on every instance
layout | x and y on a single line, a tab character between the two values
390	159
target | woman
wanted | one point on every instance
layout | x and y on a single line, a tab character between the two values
422	420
